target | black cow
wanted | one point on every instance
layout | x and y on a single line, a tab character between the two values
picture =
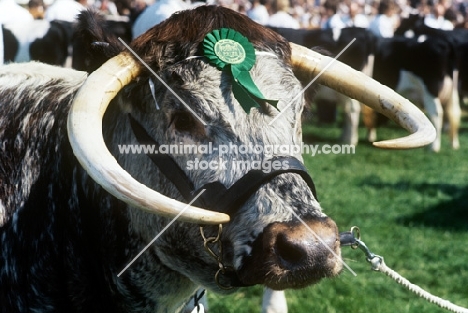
334	41
53	48
110	28
458	38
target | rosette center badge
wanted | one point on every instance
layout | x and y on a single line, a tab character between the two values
229	51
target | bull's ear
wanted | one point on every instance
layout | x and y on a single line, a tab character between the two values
93	42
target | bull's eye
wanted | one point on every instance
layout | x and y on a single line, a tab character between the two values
183	121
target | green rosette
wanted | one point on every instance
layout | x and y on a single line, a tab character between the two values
229	50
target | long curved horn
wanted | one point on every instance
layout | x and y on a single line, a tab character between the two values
85	135
356	85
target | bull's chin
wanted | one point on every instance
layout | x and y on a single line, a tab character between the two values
277	278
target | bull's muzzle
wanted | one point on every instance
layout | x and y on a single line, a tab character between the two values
294	254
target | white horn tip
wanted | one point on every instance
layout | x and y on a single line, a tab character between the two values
422	131
417	140
210	218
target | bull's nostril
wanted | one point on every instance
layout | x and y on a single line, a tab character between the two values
290	251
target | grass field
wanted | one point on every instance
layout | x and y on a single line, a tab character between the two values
412	208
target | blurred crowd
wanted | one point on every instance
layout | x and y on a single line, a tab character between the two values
380	16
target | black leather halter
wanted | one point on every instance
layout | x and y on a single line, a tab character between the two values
216	196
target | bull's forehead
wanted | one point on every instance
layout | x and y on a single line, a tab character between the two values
217	105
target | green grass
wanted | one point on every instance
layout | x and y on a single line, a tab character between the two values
412	208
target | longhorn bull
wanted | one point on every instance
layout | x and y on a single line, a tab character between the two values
74	210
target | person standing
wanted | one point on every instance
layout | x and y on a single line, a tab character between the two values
64	10
36	8
355	16
331	18
155	14
384	25
281	17
259	12
12	15
437	18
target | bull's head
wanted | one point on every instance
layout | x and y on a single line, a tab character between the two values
263	239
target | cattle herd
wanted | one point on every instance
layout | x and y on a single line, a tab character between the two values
74	211
425	65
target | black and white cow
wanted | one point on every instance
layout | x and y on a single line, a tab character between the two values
41	40
55	42
359	55
425	70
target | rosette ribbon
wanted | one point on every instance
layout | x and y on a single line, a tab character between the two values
229	50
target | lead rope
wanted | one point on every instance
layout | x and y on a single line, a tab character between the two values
353	239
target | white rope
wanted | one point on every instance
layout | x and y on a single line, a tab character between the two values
378	264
